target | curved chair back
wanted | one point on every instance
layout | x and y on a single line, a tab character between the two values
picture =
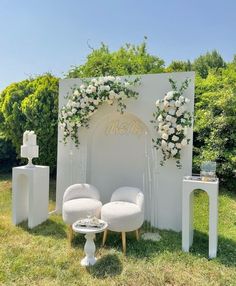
81	191
129	194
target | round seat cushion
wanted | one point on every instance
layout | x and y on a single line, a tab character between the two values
76	209
122	216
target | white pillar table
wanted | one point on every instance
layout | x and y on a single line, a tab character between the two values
30	194
89	247
211	187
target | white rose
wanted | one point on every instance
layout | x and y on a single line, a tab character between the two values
169	95
69	113
184	142
160	118
93	88
102	88
163	144
173	120
166	104
111	78
76	92
171	131
174	151
172	103
182	108
96	102
177	103
100	81
171	111
127	84
83	105
166	128
171	145
183	120
187	100
91	107
178	145
107	87
179	127
122	94
165	136
169	118
181	98
74	110
158	103
178	113
175	138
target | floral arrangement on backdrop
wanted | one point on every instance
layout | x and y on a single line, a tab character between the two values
85	100
172	120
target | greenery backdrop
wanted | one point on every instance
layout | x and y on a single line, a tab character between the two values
33	104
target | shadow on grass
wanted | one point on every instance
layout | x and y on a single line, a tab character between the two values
171	242
226	251
107	266
47	228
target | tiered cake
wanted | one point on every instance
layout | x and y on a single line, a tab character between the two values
29	149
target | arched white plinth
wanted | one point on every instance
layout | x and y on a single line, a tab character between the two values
187	213
30	194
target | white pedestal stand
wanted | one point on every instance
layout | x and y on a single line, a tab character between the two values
187	213
89	247
30	194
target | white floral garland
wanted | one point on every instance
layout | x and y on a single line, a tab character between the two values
172	121
86	99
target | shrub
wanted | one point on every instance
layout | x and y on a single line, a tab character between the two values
32	104
215	122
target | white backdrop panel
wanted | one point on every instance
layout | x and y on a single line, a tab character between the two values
117	151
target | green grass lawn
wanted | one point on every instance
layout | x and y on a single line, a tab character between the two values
41	256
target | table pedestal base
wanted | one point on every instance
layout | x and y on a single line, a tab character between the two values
87	261
89	250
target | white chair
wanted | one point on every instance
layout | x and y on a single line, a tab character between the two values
124	213
79	201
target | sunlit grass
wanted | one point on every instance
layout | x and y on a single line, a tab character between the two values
41	256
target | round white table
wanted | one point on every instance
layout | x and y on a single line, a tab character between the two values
89	247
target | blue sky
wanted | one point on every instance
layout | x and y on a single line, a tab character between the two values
38	36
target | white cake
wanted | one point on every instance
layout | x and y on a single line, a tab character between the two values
29	149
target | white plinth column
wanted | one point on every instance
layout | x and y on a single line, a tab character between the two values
187	213
30	194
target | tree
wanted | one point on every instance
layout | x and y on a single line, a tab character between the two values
215	122
32	105
204	63
129	59
177	66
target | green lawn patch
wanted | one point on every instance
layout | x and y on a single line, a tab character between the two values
41	256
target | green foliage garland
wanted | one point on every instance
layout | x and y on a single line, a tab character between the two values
86	99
